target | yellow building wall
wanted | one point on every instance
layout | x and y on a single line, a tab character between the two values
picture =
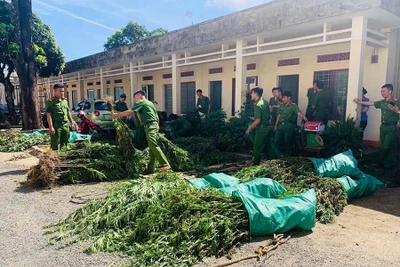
374	78
268	74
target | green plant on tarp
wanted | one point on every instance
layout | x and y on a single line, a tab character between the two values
362	187
159	223
297	175
14	141
267	213
337	166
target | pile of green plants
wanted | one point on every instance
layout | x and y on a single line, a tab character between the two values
177	157
298	175
341	136
98	162
85	163
14	141
160	221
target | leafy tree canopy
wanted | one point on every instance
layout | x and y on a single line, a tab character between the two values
130	34
49	58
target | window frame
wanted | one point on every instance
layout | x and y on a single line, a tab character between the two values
331	89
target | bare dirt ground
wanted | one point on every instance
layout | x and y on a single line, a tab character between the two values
366	234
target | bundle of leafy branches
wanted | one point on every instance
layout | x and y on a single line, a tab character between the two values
298	175
163	221
203	151
14	141
90	162
341	136
233	137
177	157
84	163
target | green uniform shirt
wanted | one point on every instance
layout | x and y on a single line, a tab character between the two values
311	97
388	116
274	102
321	101
181	124
58	108
288	113
120	106
147	110
261	111
203	104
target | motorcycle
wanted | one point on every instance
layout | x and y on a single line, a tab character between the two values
87	126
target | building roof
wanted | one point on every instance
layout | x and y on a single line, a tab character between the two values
274	15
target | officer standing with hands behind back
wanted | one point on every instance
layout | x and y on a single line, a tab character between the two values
58	115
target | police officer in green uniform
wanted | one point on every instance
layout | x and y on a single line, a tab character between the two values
147	114
311	95
320	104
181	127
285	123
275	103
58	116
261	124
120	105
203	103
389	120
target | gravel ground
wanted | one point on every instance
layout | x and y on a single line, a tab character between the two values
366	234
24	213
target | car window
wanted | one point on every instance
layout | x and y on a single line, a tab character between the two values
80	105
87	106
100	106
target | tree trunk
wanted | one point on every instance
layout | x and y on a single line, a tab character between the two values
24	64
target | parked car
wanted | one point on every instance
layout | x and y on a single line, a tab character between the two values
96	111
17	119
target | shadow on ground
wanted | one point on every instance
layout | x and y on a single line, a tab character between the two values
385	200
14	172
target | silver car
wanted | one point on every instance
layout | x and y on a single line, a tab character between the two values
96	111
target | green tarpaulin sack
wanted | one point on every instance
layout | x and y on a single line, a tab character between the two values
73	136
337	166
34	133
264	187
199	183
217	180
361	187
268	216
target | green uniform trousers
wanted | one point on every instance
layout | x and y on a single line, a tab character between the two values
262	142
322	117
60	138
139	140
155	151
387	136
310	114
284	137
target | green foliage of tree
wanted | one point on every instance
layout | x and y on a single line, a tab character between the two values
133	32
49	59
43	38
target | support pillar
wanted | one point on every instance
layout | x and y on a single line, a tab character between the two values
134	82
176	109
356	65
392	75
102	83
240	84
